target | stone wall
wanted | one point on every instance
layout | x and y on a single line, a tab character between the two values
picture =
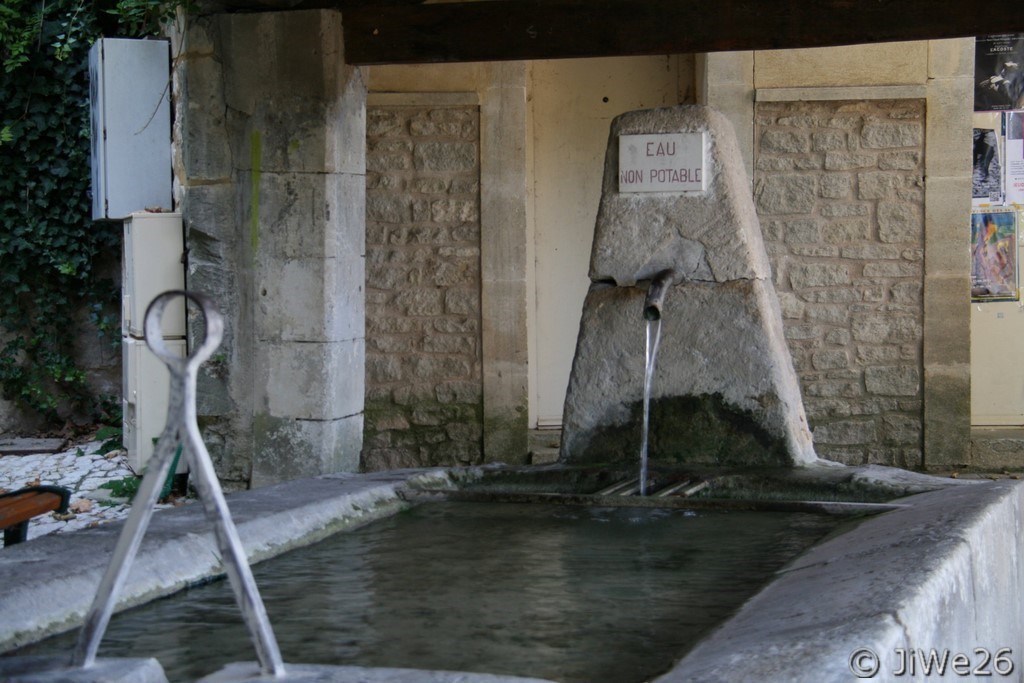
840	193
423	278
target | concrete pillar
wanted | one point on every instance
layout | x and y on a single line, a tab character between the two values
503	264
272	166
947	266
725	82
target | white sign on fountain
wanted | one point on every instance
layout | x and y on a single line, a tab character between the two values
662	163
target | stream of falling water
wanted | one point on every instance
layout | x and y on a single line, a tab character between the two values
650	355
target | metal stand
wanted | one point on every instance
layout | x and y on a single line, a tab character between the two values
182	429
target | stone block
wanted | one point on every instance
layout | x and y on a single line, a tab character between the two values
386	208
890	134
884	328
830	359
876	185
50	669
832	295
465	185
450	157
878	355
853	65
906	293
947	317
450	343
896	380
901	429
950	120
290	448
454	211
459	392
828	141
199	38
772	163
421	302
802	230
311	381
805	275
846	230
430	185
947	213
210	209
834	186
455	122
695	233
947	414
842	210
294	94
899	161
809	163
382	369
776	141
786	194
735	361
846	432
848	161
384	122
892	269
900	222
828	314
304	215
950	58
206	152
873	252
310	299
461	302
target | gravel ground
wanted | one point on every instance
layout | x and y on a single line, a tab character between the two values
82	470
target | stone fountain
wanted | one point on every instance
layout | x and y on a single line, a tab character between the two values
676	198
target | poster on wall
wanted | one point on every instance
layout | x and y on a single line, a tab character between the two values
998	77
1014	156
987	177
994	255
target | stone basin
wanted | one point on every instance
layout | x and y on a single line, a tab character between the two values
938	569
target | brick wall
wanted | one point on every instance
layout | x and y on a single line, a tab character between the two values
839	192
423	360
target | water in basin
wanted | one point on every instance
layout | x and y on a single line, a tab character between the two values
574	594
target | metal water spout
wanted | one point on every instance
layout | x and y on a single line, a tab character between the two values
660	285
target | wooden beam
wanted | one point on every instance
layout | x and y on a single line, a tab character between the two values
545	29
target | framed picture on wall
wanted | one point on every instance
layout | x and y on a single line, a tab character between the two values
994	271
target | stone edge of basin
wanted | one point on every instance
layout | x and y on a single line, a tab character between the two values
946	572
249	672
45	669
50	582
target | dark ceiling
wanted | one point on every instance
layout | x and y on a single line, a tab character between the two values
404	32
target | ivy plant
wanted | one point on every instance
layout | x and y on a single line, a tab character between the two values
51	252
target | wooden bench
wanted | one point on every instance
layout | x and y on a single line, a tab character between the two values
18	507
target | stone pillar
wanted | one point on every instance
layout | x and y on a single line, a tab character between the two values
272	174
947	266
503	263
725	82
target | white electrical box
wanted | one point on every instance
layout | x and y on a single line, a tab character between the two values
147	385
153	249
131	126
